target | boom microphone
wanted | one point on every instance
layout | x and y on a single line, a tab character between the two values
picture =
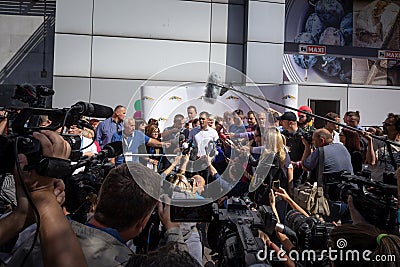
92	110
213	88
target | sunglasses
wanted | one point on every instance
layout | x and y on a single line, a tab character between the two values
387	124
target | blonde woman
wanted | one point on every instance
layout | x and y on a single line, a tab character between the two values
273	144
273	152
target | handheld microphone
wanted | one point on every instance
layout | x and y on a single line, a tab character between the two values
92	110
224	138
213	88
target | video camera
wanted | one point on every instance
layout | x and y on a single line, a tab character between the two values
298	134
312	235
374	200
27	121
233	232
306	135
33	96
311	232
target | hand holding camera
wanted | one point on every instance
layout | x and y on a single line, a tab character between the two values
53	146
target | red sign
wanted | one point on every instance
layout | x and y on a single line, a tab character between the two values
312	49
387	54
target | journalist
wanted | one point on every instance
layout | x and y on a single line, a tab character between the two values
383	249
385	159
336	159
122	212
58	243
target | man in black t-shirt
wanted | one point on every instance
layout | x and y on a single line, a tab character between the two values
293	141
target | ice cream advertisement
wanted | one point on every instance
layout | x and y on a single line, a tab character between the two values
362	28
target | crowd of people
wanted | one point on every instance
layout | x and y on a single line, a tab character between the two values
205	155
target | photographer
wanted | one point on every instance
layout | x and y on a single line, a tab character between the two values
122	212
385	158
89	146
59	245
336	156
233	186
363	237
336	159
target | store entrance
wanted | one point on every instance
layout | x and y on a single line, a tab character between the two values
322	107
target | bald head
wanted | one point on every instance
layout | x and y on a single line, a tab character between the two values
322	137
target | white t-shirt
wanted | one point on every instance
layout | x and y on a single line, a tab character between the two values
201	138
336	138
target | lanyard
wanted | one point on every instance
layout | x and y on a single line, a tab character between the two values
126	142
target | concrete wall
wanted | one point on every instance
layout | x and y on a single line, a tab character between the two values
21	50
110	48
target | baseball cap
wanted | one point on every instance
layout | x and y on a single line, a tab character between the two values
288	115
305	108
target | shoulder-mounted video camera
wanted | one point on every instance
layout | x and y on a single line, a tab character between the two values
374	200
27	121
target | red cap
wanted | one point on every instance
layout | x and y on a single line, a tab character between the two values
305	108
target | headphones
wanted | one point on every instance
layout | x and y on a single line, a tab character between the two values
308	117
307	111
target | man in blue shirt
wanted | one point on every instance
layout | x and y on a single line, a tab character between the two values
133	142
336	159
238	125
336	156
108	127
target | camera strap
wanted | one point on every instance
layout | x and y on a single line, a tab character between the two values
321	158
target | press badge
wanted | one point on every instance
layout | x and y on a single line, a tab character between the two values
128	157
